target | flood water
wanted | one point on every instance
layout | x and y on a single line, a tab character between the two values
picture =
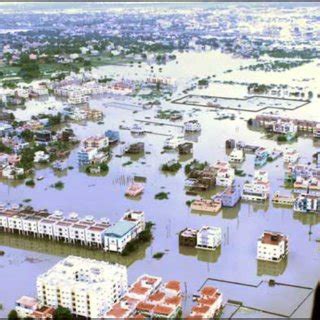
24	259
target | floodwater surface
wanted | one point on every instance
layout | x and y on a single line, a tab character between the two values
104	196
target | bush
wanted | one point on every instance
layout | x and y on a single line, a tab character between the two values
62	313
162	196
158	255
195	165
282	138
13	315
104	167
30	183
171	167
59	185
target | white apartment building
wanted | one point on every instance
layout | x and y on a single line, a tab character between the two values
95	234
291	156
96	142
258	189
254	191
87	287
12	172
30	224
272	246
45	228
209	238
225	176
117	236
40	156
192	126
237	156
78	98
284	127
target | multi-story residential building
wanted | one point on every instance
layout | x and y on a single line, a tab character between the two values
88	288
261	157
78	98
258	189
86	156
192	126
209	238
137	217
12	172
208	305
188	237
291	156
224	174
281	199
307	185
95	234
30	225
40	156
43	137
237	156
306	203
285	127
231	196
301	170
45	228
117	236
55	226
96	142
272	246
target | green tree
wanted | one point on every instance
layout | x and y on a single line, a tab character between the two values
62	313
27	135
13	315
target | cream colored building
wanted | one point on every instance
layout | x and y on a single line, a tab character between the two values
272	246
87	287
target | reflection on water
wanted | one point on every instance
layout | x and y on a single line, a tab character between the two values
310	219
231	213
271	268
63	250
185	157
202	255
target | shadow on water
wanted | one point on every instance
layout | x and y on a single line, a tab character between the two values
63	250
202	255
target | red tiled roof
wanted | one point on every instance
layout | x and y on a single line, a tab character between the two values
117	311
162	309
208	291
173	285
200	309
157	296
207	301
138	289
144	306
173	300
